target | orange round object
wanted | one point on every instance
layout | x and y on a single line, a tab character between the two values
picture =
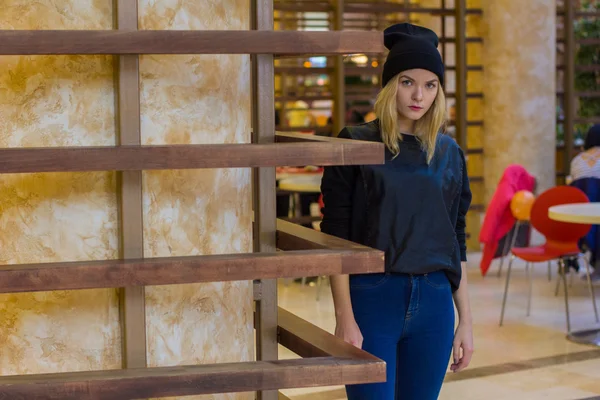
521	204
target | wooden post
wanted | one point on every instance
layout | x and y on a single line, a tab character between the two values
264	205
339	76
569	92
443	33
461	74
132	299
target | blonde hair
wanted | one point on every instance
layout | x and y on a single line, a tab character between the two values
426	128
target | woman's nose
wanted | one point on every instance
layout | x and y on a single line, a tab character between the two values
418	94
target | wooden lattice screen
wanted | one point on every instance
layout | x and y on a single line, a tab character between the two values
302	252
574	36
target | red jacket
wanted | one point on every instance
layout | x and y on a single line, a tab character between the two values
498	219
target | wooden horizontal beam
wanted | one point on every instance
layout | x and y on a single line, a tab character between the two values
561	13
339	363
189	380
369	8
328	70
308	340
470	95
134	158
307	98
469	68
288	137
583	68
581	120
368	70
35	42
591	94
354	257
469	123
315	128
583	41
296	237
303	219
192	269
308	253
477	150
300	7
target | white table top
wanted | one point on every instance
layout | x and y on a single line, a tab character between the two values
306	184
582	213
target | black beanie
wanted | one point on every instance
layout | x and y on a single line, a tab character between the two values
411	47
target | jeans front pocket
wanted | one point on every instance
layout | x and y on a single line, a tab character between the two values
368	281
437	280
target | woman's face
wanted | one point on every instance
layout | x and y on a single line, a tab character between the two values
417	90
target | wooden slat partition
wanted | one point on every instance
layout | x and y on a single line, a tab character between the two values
42	42
461	73
186	380
338	80
368	7
336	363
132	300
325	70
301	337
191	269
264	190
376	149
312	151
306	252
295	237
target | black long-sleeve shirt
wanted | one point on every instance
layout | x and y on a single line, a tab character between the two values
413	211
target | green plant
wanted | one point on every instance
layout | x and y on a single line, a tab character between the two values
587	55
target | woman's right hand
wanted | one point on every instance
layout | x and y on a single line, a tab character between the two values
347	329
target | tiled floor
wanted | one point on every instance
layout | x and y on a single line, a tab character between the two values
528	358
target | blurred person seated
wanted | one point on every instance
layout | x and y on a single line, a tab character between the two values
585	175
587	163
591	241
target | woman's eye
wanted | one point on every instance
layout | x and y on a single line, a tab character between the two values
406	83
431	86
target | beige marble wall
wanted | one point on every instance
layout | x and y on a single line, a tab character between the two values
197	99
69	101
475	134
57	101
519	88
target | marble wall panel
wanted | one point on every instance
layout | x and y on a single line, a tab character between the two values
519	89
57	101
197	99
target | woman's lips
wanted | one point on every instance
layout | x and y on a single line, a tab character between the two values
415	108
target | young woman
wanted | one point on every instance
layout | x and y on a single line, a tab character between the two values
413	208
587	163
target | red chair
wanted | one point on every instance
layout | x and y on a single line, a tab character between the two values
561	242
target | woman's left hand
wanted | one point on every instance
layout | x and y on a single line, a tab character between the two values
462	347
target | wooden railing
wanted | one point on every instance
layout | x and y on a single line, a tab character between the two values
302	252
326	361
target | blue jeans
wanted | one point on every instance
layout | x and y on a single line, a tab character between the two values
408	322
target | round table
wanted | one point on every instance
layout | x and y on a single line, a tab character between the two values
302	183
581	213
